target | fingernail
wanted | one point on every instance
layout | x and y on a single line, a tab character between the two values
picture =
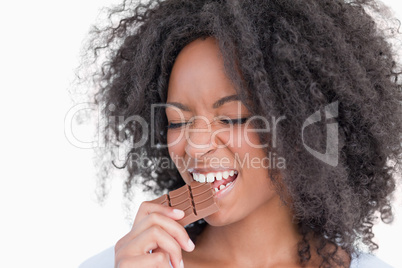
181	264
191	244
178	212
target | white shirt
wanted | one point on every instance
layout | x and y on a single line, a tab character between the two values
105	259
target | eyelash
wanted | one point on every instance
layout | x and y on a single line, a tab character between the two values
224	121
176	125
237	121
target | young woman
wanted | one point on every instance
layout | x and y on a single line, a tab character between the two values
290	109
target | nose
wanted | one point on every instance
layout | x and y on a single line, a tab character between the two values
198	140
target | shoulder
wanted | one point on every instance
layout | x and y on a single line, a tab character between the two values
104	259
365	260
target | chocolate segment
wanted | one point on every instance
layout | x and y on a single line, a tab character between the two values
197	200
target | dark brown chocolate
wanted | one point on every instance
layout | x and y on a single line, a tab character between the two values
197	200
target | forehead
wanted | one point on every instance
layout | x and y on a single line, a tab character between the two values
198	74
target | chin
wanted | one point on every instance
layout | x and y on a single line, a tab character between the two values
219	219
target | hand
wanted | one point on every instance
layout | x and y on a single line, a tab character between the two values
155	228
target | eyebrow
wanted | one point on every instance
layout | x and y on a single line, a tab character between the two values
179	105
224	100
216	105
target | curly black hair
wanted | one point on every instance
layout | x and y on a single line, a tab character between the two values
294	57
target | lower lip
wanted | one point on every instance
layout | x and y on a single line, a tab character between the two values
221	193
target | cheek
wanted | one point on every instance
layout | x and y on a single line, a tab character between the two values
242	140
251	155
252	139
174	139
176	145
230	137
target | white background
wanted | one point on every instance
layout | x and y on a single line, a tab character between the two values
49	215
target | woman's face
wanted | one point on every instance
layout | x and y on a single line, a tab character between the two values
209	136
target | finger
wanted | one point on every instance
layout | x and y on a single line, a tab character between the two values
169	225
148	207
159	250
153	238
158	259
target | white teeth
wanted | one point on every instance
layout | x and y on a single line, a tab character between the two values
223	186
201	178
210	177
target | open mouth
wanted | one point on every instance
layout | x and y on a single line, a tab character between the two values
219	179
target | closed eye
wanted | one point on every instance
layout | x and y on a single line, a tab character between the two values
176	125
226	121
237	121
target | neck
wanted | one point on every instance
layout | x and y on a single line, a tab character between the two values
266	237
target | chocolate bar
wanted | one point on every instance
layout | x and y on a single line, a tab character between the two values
197	200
